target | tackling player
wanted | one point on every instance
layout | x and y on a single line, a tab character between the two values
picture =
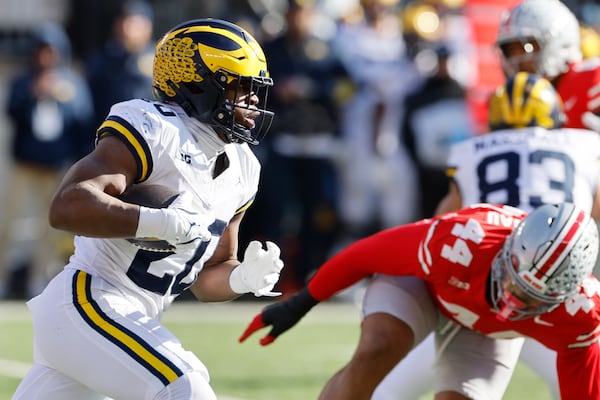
522	167
97	324
492	270
543	37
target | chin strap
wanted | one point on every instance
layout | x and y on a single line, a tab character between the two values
511	303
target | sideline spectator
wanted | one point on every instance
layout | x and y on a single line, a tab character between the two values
298	198
436	116
50	108
376	173
122	68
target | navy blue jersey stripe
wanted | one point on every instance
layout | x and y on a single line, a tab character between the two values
157	364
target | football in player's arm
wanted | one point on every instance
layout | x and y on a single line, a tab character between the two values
184	167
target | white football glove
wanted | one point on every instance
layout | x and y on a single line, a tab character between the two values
177	224
259	272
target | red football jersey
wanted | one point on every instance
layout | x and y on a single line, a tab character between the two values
453	253
579	89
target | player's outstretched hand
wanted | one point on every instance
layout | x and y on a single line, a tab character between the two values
281	316
259	272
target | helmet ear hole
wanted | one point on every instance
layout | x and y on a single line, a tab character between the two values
193	88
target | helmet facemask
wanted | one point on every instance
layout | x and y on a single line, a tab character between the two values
514	300
544	261
527	58
228	117
231	117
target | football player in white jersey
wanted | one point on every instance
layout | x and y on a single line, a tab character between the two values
97	324
524	167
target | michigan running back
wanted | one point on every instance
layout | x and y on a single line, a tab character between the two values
97	325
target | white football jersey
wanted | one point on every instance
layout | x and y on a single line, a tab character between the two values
526	168
174	151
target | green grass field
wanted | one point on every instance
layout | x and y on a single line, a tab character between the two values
293	368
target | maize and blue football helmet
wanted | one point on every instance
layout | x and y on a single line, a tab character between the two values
197	61
525	100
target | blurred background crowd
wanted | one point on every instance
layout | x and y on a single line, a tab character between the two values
368	97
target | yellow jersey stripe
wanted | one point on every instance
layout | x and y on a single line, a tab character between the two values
245	206
125	339
122	129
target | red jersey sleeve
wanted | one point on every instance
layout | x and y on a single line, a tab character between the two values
393	251
431	249
579	88
579	372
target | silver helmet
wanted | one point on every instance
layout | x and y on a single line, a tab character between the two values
544	261
551	25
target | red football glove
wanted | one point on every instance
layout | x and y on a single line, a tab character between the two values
281	315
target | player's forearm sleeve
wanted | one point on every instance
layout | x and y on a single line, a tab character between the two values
393	252
337	274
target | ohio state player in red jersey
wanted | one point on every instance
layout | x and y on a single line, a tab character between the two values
491	269
514	167
543	37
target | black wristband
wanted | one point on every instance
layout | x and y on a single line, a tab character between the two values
302	301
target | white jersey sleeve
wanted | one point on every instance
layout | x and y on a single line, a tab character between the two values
525	168
168	154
